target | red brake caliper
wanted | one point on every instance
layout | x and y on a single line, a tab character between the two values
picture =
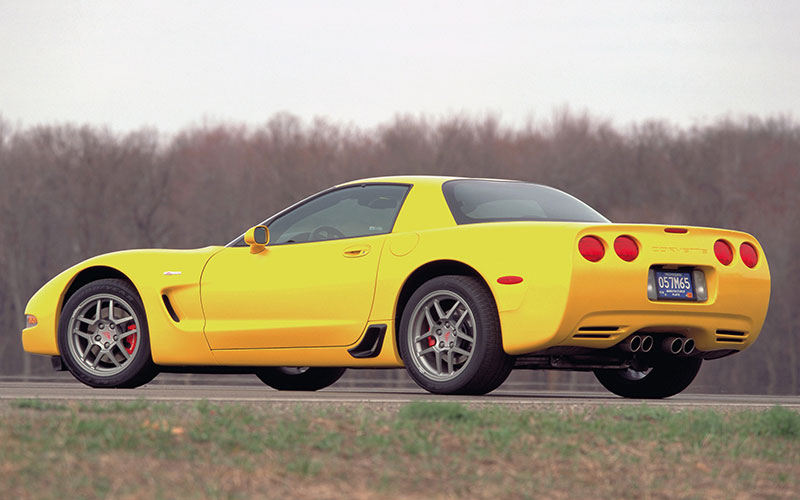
431	341
131	339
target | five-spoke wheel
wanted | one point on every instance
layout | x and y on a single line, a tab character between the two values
103	336
450	337
443	338
102	333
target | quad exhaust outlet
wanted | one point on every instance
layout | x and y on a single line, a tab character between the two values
671	345
678	345
637	343
631	344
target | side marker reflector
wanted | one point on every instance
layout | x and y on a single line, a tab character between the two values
509	280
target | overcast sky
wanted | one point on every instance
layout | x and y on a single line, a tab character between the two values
169	64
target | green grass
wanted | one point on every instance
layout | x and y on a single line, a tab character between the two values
207	450
37	404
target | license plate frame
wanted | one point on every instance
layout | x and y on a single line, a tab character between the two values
675	285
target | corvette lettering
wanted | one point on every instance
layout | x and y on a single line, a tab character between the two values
685	250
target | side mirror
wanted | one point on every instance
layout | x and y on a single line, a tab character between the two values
257	237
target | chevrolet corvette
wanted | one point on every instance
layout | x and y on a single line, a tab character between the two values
457	280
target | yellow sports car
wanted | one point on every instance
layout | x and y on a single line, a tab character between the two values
459	280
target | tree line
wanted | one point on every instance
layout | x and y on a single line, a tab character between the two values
68	192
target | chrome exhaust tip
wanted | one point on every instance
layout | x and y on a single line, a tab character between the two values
647	343
631	344
688	346
673	345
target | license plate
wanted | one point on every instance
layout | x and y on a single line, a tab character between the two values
675	285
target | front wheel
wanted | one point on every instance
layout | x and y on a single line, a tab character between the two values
450	337
666	377
301	378
103	337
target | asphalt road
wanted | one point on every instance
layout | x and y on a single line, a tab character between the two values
74	391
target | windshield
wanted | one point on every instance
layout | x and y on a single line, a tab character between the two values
473	201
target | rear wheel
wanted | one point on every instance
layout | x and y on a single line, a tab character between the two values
103	337
450	337
666	377
301	378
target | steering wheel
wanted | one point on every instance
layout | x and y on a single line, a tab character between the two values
325	233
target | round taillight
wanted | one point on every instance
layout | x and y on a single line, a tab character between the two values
626	248
723	251
748	254
591	248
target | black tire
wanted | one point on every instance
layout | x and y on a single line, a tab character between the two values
132	336
473	367
667	377
300	379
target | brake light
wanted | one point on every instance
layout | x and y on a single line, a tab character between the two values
676	230
748	254
591	248
724	252
626	248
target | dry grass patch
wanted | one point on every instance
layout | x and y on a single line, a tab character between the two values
433	450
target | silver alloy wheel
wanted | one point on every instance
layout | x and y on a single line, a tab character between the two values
103	335
441	335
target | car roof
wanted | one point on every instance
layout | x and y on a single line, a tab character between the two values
431	180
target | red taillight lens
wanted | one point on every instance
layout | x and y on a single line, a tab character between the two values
626	248
723	251
591	248
748	254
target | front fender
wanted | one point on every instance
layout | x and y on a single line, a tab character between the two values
171	342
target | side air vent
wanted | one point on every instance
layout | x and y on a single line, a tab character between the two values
170	309
370	345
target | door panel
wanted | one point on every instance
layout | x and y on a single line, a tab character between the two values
297	295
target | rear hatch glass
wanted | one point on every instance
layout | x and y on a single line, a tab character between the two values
473	201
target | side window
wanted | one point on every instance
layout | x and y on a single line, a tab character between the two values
349	212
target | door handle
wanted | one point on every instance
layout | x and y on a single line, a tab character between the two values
357	251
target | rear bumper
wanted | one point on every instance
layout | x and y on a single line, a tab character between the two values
600	330
711	331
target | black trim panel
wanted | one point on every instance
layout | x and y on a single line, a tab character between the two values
370	346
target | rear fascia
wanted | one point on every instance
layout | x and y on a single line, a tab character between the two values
607	300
